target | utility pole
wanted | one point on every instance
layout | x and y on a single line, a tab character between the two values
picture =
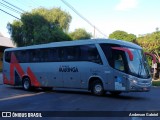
94	33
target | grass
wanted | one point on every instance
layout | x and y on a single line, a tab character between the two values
156	82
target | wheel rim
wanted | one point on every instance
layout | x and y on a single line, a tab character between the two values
98	88
26	84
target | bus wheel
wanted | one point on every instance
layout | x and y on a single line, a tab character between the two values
26	84
115	92
97	88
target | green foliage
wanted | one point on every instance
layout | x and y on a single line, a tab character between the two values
17	36
80	34
156	83
150	42
122	35
41	26
55	15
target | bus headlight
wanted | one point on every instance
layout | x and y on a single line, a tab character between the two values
134	81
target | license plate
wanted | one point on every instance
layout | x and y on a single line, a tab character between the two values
145	89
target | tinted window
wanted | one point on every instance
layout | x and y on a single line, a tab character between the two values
34	56
58	54
80	53
90	53
71	53
116	58
8	56
21	56
44	55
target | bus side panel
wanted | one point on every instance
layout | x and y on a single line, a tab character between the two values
6	74
71	72
12	70
92	70
47	74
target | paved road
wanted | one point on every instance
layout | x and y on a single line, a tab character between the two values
16	99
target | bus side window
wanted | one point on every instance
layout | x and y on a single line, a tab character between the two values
44	56
23	56
32	56
93	55
35	56
71	53
54	55
68	54
108	53
90	53
8	57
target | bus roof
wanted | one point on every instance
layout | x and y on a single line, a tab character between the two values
78	42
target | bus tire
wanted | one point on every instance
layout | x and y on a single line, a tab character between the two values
115	93
97	88
26	84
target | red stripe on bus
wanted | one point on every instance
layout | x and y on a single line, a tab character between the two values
5	80
15	65
126	50
33	78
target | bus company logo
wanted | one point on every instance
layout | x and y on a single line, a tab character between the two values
68	69
6	114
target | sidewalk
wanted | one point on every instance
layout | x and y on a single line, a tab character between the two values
1	79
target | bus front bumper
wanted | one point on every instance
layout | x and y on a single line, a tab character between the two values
140	87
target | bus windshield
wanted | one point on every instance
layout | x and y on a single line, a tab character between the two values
138	66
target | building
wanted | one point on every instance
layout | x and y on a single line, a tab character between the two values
4	43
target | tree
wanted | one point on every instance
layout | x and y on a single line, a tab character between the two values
79	34
151	43
41	26
16	33
122	35
55	15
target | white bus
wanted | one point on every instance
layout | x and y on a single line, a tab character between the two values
97	65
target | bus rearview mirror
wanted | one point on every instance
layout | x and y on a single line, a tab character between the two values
153	57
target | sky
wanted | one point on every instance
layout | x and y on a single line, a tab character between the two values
133	16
